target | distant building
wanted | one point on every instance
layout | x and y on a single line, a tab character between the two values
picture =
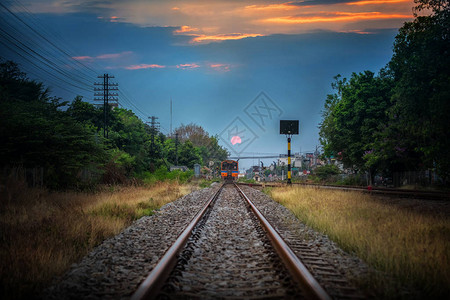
296	161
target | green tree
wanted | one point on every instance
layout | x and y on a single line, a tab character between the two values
189	155
353	117
86	113
35	132
208	146
421	69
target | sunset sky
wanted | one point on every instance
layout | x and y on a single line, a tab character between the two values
219	61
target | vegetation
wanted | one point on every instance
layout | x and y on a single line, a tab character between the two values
410	245
66	139
326	171
397	120
43	232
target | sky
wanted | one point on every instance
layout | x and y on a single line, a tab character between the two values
236	68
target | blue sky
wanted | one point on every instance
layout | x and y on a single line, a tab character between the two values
213	58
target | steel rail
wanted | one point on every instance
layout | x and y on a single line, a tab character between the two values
292	262
150	287
425	195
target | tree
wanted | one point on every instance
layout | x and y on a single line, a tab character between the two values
86	113
208	146
194	133
188	155
353	116
35	132
421	69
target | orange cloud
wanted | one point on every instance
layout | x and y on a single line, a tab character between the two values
282	6
144	66
223	37
370	2
335	17
187	66
219	20
184	29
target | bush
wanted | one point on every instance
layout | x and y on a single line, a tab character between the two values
162	174
326	171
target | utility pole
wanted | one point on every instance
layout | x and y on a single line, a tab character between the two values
176	147
104	90
170	116
154	127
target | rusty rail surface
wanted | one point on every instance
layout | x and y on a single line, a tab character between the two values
150	287
292	262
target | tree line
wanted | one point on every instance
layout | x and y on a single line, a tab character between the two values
398	119
66	138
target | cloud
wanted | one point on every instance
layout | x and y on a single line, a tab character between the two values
104	56
221	20
220	67
223	37
144	66
334	17
374	2
185	29
114	55
187	66
271	7
83	58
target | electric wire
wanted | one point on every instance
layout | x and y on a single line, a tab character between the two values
41	58
29	48
28	41
43	37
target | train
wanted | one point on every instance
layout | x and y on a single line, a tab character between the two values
229	170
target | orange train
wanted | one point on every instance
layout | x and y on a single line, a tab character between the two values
229	170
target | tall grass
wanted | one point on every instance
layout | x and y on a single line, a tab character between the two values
412	246
43	233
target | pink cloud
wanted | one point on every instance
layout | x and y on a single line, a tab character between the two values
104	56
83	57
188	66
113	55
220	67
144	66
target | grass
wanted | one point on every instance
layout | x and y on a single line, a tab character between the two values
43	233
412	246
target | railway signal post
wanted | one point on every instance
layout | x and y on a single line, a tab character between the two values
289	128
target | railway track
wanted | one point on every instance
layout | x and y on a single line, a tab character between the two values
231	251
390	192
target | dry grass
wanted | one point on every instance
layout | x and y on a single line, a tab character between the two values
412	246
43	233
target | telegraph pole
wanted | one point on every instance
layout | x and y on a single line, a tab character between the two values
176	147
104	90
170	116
154	126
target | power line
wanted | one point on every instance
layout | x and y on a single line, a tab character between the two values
28	39
40	58
43	37
106	87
